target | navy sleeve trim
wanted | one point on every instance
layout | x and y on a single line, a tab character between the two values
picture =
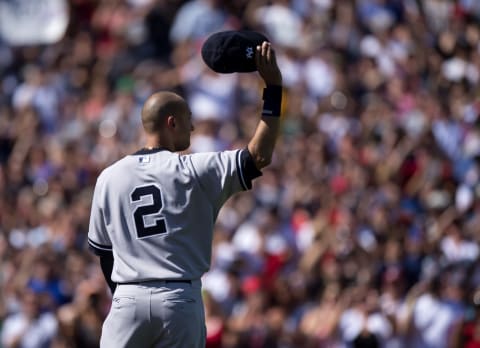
240	171
99	249
247	171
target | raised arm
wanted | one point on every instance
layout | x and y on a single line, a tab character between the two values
263	141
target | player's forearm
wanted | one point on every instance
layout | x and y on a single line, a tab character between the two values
262	144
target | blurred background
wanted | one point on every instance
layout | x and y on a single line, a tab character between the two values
364	230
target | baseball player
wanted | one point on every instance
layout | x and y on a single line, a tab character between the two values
153	214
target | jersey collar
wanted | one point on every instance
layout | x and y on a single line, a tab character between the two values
145	151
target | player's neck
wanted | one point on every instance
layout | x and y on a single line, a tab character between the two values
153	148
153	143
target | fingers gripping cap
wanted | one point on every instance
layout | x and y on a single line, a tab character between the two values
232	51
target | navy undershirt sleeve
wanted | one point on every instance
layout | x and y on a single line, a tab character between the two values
106	263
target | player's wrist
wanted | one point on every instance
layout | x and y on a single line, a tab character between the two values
273	78
273	81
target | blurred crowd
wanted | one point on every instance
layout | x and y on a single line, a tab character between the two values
364	230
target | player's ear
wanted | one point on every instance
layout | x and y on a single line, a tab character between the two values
171	121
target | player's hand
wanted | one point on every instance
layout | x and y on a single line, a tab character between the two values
267	64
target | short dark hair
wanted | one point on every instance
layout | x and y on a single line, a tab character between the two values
157	108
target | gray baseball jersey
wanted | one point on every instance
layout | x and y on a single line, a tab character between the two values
156	211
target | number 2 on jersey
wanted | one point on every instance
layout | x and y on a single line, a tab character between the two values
148	209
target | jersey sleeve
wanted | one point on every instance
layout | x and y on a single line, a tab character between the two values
98	239
224	173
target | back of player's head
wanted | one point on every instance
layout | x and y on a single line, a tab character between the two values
158	107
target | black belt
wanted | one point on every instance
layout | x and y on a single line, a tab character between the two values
158	280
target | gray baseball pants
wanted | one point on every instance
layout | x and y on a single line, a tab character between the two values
155	314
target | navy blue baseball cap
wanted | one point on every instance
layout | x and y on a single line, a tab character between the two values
232	51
